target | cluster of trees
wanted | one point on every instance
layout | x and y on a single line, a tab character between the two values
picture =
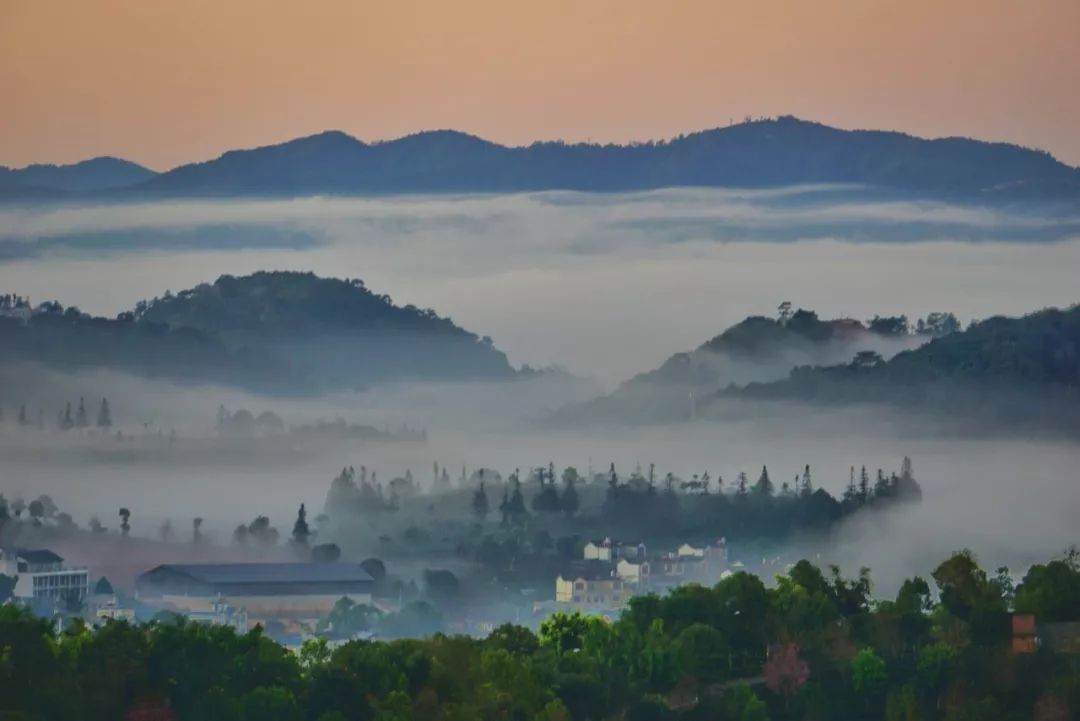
66	419
816	645
243	422
363	493
742	509
1017	370
806	323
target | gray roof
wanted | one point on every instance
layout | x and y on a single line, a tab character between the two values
591	570
38	555
232	573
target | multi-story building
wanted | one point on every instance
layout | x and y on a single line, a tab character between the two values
633	573
611	551
41	575
590	585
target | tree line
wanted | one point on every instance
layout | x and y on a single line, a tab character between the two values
815	645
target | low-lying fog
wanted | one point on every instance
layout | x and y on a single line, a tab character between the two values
1013	500
605	285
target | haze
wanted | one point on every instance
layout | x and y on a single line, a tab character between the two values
605	285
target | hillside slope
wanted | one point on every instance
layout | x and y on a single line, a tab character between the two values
753	350
1010	370
337	332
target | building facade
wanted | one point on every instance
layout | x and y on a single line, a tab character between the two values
254	591
41	575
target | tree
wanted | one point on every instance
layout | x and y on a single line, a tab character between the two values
104	416
441	585
375	568
783	312
563	631
300	531
889	325
866	359
165	533
66	421
741	482
569	501
480	507
37	512
785	673
196	530
764	485
22	416
125	527
868	673
806	487
82	419
1051	592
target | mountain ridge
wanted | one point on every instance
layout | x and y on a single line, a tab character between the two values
759	153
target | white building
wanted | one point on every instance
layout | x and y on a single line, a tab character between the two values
611	551
633	573
40	574
715	554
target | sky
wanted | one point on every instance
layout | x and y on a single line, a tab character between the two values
168	83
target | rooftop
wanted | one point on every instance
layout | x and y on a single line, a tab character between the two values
588	570
217	573
38	556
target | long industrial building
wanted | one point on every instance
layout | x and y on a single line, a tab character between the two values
297	591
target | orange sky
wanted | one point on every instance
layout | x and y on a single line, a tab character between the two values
167	81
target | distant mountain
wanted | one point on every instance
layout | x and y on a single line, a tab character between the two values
763	153
335	332
92	175
755	349
1012	371
270	332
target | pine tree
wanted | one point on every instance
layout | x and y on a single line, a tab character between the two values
480	507
569	502
741	484
104	417
851	493
864	485
504	509
517	510
764	485
66	423
82	420
807	486
300	531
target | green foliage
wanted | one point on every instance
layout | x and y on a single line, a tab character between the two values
696	653
868	672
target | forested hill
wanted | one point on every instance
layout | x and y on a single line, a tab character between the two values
755	349
1011	368
761	153
281	331
338	331
96	174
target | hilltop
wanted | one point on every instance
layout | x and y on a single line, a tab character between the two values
1017	371
280	331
